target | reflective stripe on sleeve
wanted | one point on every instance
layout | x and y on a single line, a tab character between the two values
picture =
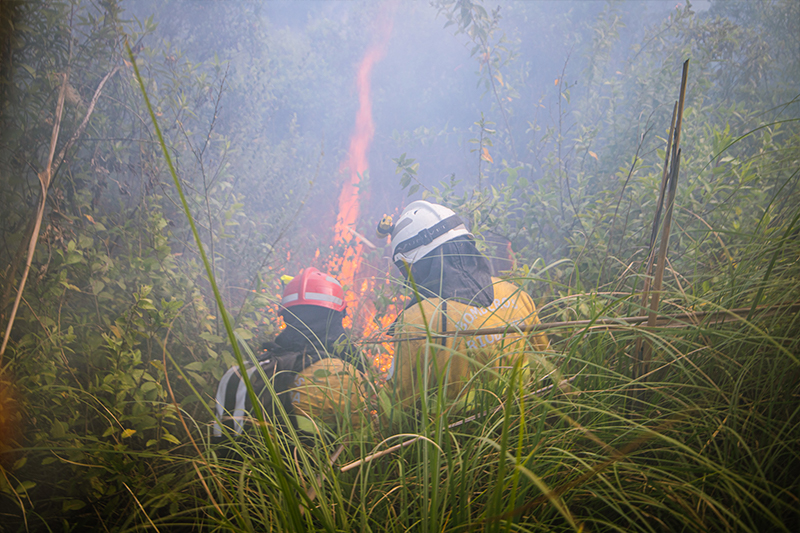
222	391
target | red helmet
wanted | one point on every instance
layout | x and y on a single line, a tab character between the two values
312	287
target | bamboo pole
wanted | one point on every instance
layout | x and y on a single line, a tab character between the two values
662	191
643	352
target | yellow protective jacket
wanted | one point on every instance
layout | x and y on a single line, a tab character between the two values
456	358
328	392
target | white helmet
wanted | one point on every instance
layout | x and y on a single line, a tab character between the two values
421	228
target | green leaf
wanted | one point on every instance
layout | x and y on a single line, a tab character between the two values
72	505
198	378
28	69
25	486
97	286
244	334
322	373
214	339
70	286
146	303
128	433
58	429
170	438
74	257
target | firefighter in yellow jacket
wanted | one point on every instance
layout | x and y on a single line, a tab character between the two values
316	372
436	253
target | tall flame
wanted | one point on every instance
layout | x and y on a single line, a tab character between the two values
359	285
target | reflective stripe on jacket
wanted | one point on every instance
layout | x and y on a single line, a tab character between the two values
325	391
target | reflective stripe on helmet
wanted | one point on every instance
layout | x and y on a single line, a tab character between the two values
289	298
421	228
428	235
323	298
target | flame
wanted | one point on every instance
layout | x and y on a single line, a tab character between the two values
357	277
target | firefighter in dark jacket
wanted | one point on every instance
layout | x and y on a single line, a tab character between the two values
437	255
315	370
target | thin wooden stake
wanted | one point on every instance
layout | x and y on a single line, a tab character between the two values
662	192
644	353
662	262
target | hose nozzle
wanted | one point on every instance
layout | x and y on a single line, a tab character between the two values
385	226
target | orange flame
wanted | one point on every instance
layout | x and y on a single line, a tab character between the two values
359	284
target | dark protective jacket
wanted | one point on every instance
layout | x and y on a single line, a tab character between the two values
314	344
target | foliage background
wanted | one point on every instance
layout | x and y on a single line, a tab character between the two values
543	124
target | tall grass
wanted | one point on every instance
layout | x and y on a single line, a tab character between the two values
709	440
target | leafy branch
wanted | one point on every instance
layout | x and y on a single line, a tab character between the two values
45	180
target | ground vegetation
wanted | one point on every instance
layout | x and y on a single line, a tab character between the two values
121	316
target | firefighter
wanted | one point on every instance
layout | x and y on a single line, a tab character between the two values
316	372
453	291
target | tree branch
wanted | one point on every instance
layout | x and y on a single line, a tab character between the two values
45	180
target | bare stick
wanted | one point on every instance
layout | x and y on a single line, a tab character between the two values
679	320
663	189
682	99
662	260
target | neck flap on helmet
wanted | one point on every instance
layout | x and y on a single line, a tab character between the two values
455	270
317	331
